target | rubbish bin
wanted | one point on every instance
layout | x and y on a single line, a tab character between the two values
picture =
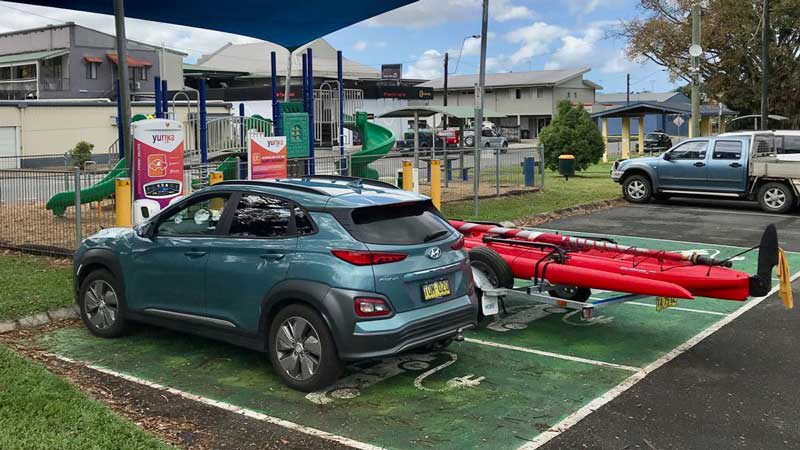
566	166
400	178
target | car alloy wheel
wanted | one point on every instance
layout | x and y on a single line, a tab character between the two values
298	348
636	190
775	198
102	304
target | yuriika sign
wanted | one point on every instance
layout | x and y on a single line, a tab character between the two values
266	157
158	160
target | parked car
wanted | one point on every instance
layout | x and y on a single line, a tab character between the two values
490	137
657	141
406	145
312	271
732	165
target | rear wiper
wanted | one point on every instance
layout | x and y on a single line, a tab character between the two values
435	235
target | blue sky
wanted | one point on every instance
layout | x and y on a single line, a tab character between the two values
523	35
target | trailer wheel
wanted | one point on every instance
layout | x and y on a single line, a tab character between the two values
575	293
776	198
494	268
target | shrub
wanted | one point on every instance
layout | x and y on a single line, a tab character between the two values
573	132
81	153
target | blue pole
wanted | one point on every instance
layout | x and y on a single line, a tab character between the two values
276	115
120	136
203	137
157	93
164	99
312	166
528	170
305	83
341	109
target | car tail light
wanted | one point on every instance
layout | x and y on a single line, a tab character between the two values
459	244
371	307
366	258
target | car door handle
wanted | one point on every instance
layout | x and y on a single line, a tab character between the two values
735	165
195	254
272	256
699	164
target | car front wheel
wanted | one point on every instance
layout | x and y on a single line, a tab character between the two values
302	350
637	189
102	304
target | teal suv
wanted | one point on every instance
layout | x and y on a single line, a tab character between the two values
313	271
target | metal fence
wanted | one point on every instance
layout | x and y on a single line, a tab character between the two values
37	212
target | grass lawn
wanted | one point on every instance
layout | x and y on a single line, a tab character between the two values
592	185
42	411
32	284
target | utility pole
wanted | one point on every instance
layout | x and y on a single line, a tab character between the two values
444	99
628	90
694	124
124	83
765	67
479	105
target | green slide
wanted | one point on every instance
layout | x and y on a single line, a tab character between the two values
98	191
376	142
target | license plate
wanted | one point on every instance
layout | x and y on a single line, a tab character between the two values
435	289
663	303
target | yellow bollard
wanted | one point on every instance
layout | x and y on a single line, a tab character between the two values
122	194
217	204
408	176
215	177
436	183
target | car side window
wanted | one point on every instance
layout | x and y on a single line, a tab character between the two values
198	218
303	222
690	150
261	216
731	150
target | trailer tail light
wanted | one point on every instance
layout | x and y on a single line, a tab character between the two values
371	307
459	244
366	258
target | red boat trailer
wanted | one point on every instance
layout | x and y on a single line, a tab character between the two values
563	269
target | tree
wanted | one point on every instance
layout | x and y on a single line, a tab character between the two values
572	131
81	153
731	39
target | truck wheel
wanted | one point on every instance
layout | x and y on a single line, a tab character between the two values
494	268
637	189
776	198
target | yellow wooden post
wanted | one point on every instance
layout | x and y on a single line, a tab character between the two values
626	137
721	124
705	126
122	195
408	176
436	183
605	138
641	135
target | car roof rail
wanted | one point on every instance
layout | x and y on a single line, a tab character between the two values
276	184
351	181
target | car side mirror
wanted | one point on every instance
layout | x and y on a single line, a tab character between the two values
667	156
146	230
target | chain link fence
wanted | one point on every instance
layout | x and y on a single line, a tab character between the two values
37	205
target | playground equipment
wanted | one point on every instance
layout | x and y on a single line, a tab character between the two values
95	193
376	141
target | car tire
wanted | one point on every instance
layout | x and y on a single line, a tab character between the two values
776	198
301	349
101	301
505	148
637	189
494	267
469	141
575	293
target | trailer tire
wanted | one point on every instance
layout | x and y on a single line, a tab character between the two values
494	267
575	293
776	198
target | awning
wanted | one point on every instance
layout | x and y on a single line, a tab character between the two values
460	112
31	56
92	59
290	25
132	62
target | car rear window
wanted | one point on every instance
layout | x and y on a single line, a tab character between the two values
398	224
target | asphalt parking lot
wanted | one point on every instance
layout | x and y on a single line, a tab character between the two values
631	377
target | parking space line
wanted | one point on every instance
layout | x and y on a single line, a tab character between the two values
615	392
677	308
227	406
593	362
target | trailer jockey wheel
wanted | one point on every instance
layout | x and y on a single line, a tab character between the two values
494	269
575	293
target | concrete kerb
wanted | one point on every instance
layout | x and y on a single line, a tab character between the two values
586	208
39	319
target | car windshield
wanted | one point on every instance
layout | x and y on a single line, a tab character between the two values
398	224
653	136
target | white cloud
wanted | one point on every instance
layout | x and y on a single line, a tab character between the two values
582	6
535	40
427	66
426	13
360	46
619	63
503	10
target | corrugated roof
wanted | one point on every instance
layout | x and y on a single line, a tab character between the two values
635	109
532	78
617	97
461	112
32	56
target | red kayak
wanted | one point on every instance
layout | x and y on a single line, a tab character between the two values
603	264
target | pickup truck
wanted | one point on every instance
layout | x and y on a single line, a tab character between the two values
734	165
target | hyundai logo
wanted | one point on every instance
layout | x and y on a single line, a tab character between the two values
434	253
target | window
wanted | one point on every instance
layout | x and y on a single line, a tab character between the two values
569	94
5	73
302	222
261	216
143	73
690	150
790	145
199	218
518	93
27	71
727	150
407	224
91	70
539	92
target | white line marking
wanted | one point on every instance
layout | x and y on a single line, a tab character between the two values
553	355
677	308
597	403
229	407
714	210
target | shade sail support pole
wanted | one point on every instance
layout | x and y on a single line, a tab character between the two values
288	87
124	80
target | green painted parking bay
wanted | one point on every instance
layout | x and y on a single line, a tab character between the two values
481	396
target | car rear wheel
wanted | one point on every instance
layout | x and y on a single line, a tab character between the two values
302	350
637	189
776	198
492	268
102	304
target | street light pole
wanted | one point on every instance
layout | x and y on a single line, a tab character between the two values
479	105
474	36
124	82
694	125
